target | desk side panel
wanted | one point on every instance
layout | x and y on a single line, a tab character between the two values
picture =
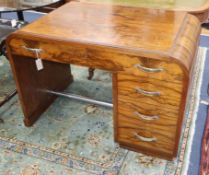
30	83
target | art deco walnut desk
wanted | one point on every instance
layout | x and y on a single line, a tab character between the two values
149	52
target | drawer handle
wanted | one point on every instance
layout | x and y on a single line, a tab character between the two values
146	69
145	139
35	50
147	93
146	117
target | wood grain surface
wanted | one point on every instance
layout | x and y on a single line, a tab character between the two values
109	25
30	82
170	93
114	30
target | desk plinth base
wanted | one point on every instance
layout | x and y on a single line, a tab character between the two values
30	82
148	152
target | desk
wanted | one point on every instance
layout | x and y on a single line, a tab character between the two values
199	8
149	52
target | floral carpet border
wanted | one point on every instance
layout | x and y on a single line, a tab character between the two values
110	168
188	130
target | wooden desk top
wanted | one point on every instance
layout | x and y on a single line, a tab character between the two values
131	30
114	26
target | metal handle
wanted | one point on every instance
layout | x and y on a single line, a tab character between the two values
146	69
147	93
35	50
146	117
145	139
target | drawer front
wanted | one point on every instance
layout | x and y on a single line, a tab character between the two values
147	130
149	140
148	116
98	57
138	89
156	69
149	127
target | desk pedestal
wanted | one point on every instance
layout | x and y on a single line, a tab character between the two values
30	83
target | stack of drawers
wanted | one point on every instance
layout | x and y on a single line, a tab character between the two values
150	102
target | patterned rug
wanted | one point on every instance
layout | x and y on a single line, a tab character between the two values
75	138
6	82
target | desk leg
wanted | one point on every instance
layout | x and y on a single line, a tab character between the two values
30	82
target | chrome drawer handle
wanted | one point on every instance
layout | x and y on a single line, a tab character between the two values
146	117
145	139
147	93
146	69
35	50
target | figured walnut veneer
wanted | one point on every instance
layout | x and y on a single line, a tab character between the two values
150	53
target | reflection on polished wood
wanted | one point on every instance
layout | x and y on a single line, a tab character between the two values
115	26
150	53
10	5
199	8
